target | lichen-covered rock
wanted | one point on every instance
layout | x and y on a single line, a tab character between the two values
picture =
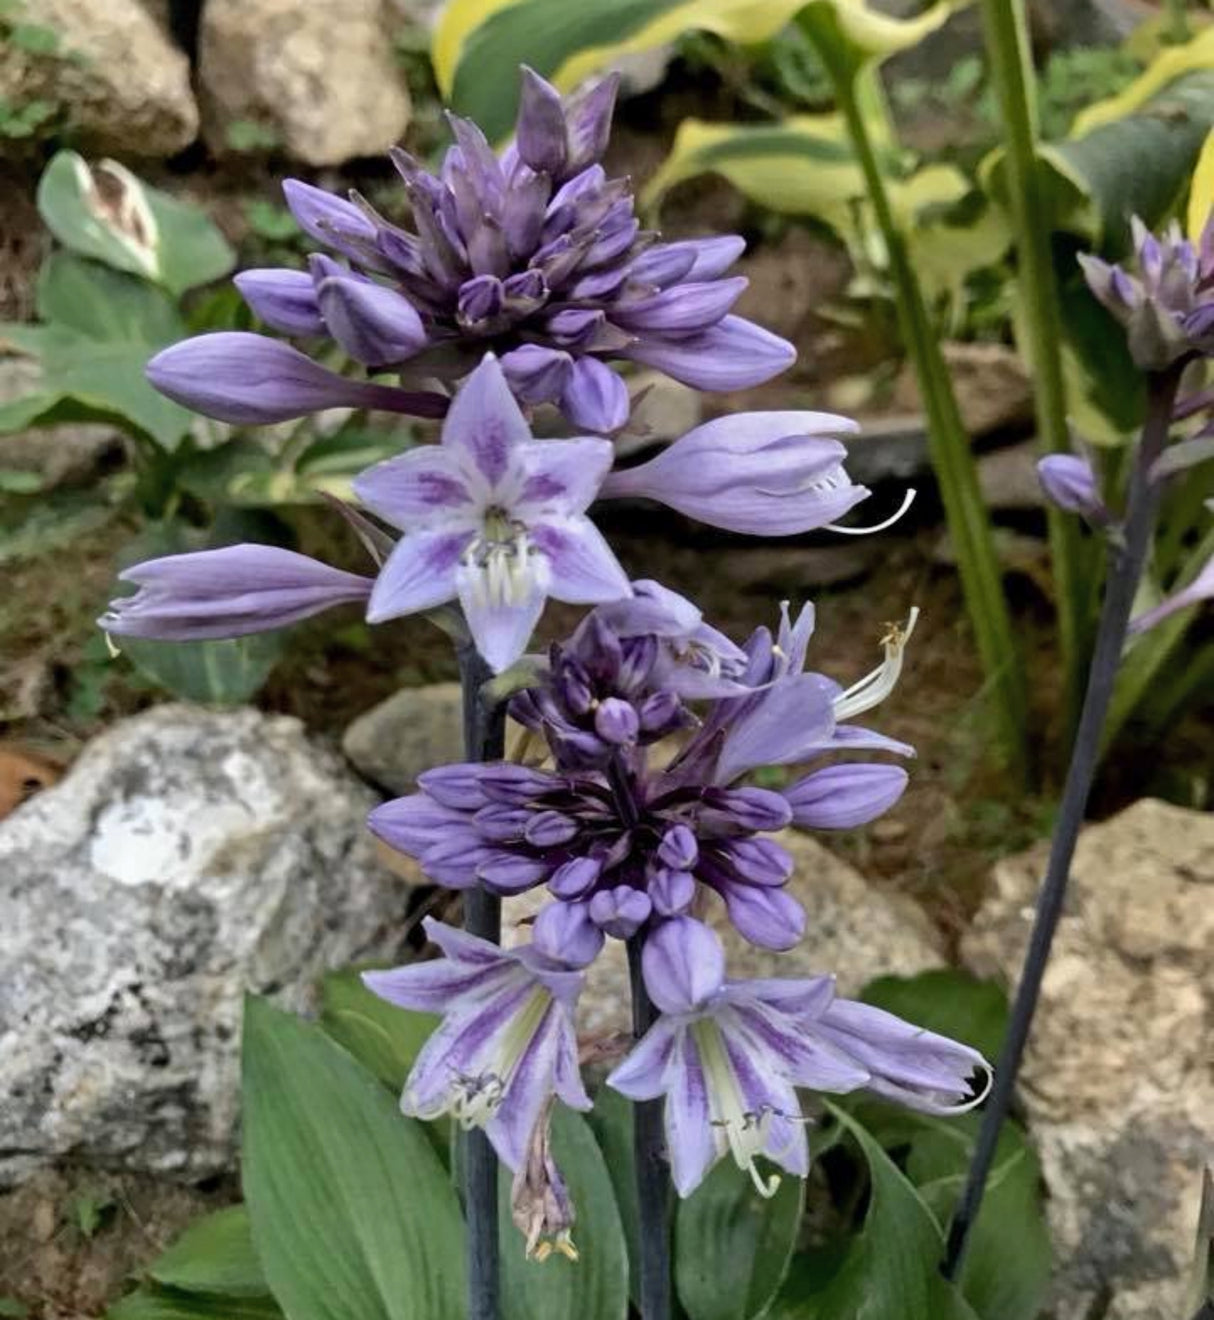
188	857
853	930
1117	1082
324	82
109	71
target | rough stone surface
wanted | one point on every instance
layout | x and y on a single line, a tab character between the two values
187	857
993	389
115	76
853	930
665	410
414	730
1117	1082
1008	478
326	84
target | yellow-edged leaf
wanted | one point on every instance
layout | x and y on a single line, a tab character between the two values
1173	63
1201	192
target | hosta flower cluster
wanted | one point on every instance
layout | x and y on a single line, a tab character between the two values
523	279
631	842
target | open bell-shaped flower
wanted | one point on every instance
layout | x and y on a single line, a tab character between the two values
506	1045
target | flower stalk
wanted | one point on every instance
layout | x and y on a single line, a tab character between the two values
1007	42
951	457
1128	554
484	740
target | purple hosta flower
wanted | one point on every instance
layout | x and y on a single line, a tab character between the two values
1200	589
729	1056
1167	305
227	593
1069	481
493	517
622	679
534	253
506	1044
621	843
539	1199
766	474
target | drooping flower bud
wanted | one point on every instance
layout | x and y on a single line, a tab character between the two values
1069	481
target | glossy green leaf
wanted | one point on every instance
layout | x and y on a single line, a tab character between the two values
215	1254
947	1001
153	1303
101	303
595	1286
385	1039
611	1122
890	1270
145	231
353	1215
732	1246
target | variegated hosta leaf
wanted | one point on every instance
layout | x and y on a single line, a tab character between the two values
479	44
1201	192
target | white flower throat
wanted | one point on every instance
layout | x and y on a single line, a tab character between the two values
499	567
474	1099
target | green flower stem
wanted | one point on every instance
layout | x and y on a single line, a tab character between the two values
1007	44
952	458
484	740
1127	555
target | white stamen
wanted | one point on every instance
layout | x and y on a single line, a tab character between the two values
741	1131
874	687
500	572
907	500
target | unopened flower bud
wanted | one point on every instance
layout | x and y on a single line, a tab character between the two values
1069	482
616	722
844	796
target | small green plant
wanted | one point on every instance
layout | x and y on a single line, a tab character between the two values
250	136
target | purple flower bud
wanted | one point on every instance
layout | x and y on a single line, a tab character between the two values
615	721
661	714
683	965
767	474
480	300
330	220
566	933
374	324
621	911
524	292
594	397
671	892
588	119
516	785
685	308
572	685
575	878
510	873
501	824
844	796
547	829
411	824
284	299
768	917
250	380
457	786
678	848
734	354
537	374
1069	482
757	809
540	131
757	861
232	592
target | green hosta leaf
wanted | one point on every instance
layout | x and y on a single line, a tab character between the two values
217	673
349	451
946	1001
890	1271
732	1246
353	1215
153	1303
112	216
594	1287
214	1255
46	522
93	300
611	1122
1132	154
385	1039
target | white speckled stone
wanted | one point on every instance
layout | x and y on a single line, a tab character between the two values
188	857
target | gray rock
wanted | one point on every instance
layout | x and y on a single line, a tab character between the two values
326	85
114	75
188	857
854	930
1117	1083
664	411
415	730
1008	478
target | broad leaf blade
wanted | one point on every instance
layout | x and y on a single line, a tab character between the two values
214	1255
611	1122
153	1303
353	1215
385	1039
733	1246
594	1287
